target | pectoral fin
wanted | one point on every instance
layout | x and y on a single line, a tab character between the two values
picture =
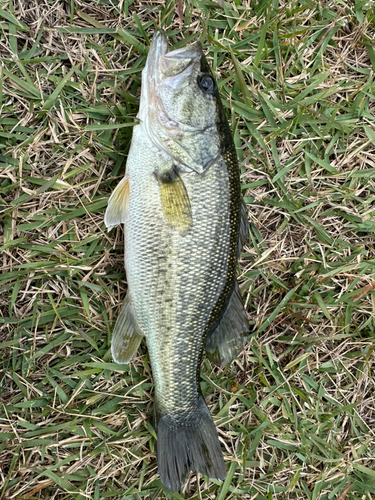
127	334
174	199
117	205
227	340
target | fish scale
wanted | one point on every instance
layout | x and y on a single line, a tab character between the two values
196	257
185	263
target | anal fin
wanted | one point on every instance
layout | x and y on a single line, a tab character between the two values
127	334
227	340
117	204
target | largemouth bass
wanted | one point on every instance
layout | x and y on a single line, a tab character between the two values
181	205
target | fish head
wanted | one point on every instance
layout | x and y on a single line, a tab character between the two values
180	106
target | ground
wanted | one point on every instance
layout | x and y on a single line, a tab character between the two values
295	412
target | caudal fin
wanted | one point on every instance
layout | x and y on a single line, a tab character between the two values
189	444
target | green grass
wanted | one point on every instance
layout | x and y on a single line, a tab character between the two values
296	411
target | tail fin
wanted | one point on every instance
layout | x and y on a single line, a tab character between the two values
189	444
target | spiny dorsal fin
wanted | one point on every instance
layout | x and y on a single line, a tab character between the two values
127	334
117	205
174	199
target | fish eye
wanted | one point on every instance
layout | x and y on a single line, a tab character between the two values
207	84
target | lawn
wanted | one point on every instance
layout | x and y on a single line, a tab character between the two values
295	412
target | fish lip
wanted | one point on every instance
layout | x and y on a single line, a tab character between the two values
189	52
159	39
151	74
158	49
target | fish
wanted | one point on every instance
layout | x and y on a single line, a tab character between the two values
184	225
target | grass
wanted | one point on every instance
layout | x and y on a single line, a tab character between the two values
296	411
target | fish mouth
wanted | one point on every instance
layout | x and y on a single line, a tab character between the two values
162	63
